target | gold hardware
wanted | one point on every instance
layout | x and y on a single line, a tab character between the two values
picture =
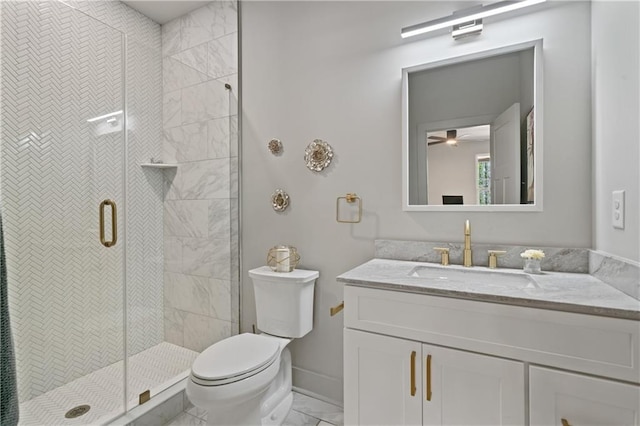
253	327
114	223
144	397
349	198
336	309
565	422
444	255
467	257
413	373
429	377
493	257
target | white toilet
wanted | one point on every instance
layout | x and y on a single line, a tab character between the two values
246	379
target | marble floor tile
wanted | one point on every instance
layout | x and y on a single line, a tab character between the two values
296	418
186	419
198	412
322	410
306	411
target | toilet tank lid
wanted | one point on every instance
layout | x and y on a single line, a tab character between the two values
295	276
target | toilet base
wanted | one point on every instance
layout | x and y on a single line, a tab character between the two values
236	416
279	413
240	416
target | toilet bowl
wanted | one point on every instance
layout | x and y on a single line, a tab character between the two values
246	379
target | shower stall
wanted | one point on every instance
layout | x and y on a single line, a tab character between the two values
81	105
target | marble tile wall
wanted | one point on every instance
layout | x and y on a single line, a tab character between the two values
200	57
619	273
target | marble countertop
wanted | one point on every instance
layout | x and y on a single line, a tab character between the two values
561	291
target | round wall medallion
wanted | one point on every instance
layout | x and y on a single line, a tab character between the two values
280	200
275	146
318	155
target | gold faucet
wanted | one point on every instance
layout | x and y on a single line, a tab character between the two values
466	254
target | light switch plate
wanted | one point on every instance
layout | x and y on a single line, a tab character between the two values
618	209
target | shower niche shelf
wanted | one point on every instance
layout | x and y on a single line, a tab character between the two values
159	165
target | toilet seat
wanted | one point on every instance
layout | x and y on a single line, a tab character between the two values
234	359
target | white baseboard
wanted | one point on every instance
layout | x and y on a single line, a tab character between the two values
319	386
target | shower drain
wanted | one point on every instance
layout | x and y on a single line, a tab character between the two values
77	411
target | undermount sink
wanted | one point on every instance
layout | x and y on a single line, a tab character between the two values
473	276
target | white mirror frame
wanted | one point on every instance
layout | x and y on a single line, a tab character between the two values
537	131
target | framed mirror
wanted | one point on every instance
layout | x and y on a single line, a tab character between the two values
472	132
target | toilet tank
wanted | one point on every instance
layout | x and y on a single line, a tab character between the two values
284	301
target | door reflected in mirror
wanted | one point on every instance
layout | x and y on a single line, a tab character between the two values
470	123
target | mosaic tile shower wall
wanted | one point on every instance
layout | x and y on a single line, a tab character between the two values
61	67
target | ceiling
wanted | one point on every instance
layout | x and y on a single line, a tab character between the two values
163	11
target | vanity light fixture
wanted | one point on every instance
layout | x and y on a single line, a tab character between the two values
467	29
463	17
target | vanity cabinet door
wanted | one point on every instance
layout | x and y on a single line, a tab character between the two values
562	399
464	388
380	385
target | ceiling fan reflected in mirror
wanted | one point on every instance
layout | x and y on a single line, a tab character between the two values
451	137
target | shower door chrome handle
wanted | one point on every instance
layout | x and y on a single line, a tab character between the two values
114	223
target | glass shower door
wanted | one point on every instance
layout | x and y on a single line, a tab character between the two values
61	189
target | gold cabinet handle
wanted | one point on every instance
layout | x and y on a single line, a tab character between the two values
413	373
565	422
428	378
114	223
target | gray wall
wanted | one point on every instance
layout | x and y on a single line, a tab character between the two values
616	129
483	87
332	70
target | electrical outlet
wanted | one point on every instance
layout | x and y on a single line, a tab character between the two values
618	209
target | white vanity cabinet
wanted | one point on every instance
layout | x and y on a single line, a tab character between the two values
489	363
391	381
382	382
563	398
464	388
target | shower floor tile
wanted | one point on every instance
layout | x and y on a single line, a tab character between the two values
155	368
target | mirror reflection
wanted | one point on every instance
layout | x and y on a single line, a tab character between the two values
470	131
